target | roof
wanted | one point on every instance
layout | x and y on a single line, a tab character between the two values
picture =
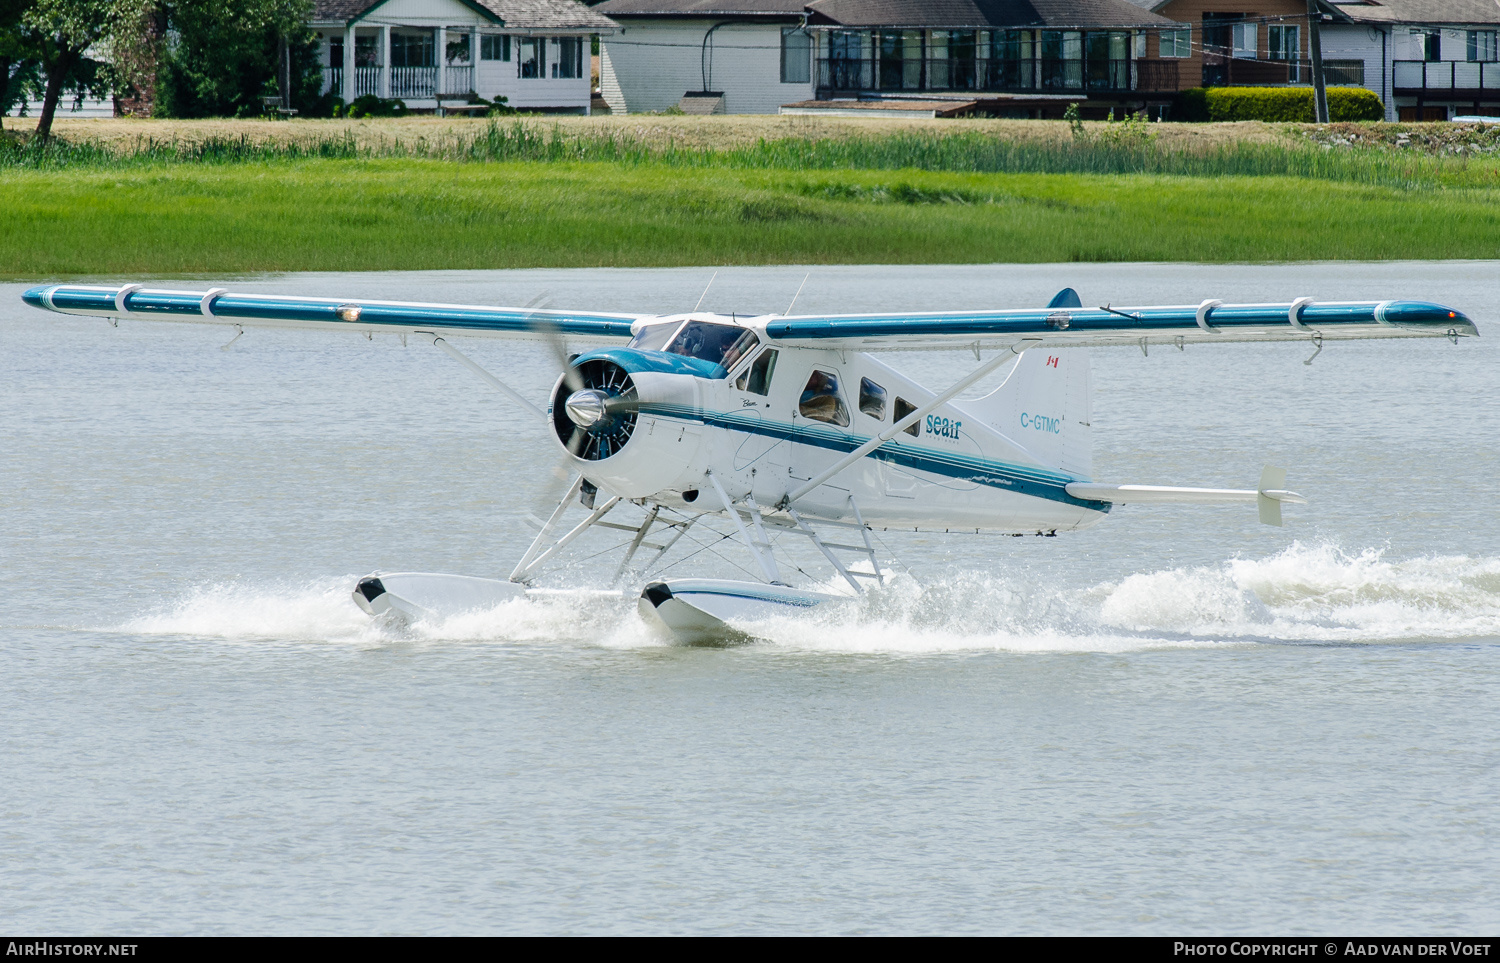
984	13
520	14
703	8
1422	11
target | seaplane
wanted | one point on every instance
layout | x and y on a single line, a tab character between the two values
789	429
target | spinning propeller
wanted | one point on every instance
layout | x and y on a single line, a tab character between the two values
594	404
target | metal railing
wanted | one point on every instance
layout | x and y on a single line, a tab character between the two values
982	74
1446	75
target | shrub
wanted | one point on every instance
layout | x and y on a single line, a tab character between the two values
372	106
1279	104
1192	105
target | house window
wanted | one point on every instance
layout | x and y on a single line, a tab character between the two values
412	50
1430	42
1482	47
821	401
1243	38
494	47
1176	43
366	51
900	59
569	58
533	57
904	408
1284	42
872	399
796	56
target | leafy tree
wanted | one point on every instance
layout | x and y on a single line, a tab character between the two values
225	57
59	33
17	69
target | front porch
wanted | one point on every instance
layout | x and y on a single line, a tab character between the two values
401	62
435	55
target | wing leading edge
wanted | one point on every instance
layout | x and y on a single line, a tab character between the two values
219	306
1206	323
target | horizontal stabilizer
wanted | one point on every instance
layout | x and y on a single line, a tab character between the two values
1267	498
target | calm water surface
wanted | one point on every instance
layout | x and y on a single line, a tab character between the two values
1178	722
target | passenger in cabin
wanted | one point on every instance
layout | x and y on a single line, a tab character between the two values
820	400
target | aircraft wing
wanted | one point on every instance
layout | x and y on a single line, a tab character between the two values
1208	323
218	306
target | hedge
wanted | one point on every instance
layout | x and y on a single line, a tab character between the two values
1285	104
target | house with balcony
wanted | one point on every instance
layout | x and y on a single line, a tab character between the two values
435	54
873	57
1262	44
1428	59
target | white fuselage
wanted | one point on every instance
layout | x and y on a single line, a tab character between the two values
997	463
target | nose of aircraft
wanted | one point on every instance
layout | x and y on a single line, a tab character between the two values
585	407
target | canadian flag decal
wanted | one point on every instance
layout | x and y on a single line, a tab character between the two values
1052	361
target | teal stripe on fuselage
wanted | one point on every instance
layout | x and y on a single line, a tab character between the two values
1038	483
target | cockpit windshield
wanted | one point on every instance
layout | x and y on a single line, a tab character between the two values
721	344
654	337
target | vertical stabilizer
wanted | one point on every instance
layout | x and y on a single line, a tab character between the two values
1044	406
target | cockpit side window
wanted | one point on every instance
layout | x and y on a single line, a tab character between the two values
756	379
872	399
721	344
904	408
654	337
821	400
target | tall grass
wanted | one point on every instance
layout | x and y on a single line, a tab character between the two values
960	151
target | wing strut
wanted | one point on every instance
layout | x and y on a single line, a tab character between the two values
494	382
911	419
759	543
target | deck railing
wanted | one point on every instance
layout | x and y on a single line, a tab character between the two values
367	81
413	83
458	81
1447	75
983	74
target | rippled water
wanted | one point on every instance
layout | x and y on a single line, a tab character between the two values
1179	721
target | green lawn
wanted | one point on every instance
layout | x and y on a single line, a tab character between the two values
386	214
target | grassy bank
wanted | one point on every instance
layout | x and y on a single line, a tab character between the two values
509	195
347	215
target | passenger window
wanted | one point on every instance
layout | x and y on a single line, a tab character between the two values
872	399
756	379
904	408
821	401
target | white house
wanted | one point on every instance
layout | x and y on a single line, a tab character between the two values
882	56
432	53
1427	59
733	56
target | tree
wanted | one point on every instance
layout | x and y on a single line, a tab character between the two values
224	57
17	69
60	31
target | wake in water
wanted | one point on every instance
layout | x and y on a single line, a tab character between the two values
1316	593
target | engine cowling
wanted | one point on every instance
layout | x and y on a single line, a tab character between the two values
632	422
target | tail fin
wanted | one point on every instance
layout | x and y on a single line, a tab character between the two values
1066	298
1044	407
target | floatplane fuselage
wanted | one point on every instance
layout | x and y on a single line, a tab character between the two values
792	427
